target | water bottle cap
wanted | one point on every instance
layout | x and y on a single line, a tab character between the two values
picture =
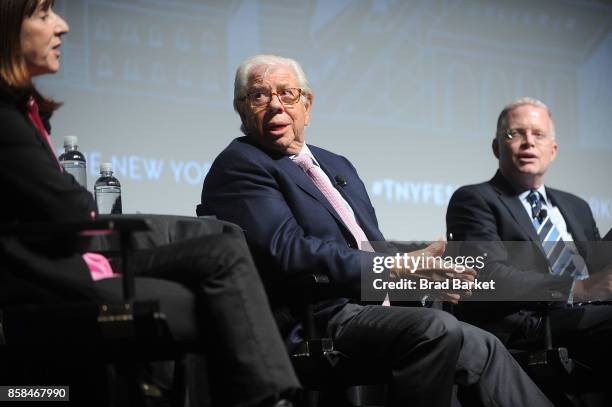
106	167
70	141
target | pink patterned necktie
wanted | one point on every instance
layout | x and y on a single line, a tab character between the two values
335	199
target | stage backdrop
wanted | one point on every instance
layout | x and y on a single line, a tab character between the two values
409	91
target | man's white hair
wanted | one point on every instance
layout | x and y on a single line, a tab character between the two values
248	65
502	120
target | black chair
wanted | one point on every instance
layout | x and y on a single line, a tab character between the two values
562	378
327	375
320	367
324	372
99	349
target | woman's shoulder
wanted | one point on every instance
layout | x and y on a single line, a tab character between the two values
13	120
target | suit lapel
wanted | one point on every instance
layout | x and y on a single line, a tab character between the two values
510	200
331	173
517	210
304	182
353	199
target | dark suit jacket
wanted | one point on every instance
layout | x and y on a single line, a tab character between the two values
289	225
36	190
491	212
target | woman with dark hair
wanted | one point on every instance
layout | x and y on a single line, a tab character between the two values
249	362
27	49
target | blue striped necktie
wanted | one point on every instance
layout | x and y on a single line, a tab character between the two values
563	257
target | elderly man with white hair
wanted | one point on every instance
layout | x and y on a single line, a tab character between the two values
304	209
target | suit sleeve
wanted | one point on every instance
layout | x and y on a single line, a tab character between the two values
39	191
599	255
249	195
474	225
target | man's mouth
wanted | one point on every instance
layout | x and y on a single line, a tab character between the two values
277	128
525	158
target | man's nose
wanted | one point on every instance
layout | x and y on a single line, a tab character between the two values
275	103
528	138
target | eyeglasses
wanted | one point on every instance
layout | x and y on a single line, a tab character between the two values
513	135
261	98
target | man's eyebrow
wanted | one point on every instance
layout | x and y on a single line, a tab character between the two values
282	85
257	87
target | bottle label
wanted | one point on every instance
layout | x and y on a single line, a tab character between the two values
77	170
108	200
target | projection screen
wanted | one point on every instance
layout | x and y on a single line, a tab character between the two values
409	91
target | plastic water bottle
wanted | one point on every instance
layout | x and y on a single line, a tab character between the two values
107	191
73	160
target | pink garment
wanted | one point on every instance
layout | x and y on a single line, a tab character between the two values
98	265
35	118
336	201
333	196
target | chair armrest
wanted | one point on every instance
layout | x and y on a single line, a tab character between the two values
33	231
308	286
309	289
100	226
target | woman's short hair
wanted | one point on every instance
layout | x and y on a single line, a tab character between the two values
14	77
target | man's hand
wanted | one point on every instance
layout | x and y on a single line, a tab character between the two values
431	267
597	287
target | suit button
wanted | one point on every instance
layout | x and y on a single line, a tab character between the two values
349	244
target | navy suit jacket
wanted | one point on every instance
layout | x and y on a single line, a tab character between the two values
492	212
290	226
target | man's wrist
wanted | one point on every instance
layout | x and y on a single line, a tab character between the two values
577	292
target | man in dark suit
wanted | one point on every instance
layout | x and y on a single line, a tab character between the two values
305	209
557	265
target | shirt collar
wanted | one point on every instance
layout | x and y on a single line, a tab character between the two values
541	190
305	150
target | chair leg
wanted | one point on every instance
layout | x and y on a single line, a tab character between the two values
367	395
311	398
113	391
126	386
179	383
